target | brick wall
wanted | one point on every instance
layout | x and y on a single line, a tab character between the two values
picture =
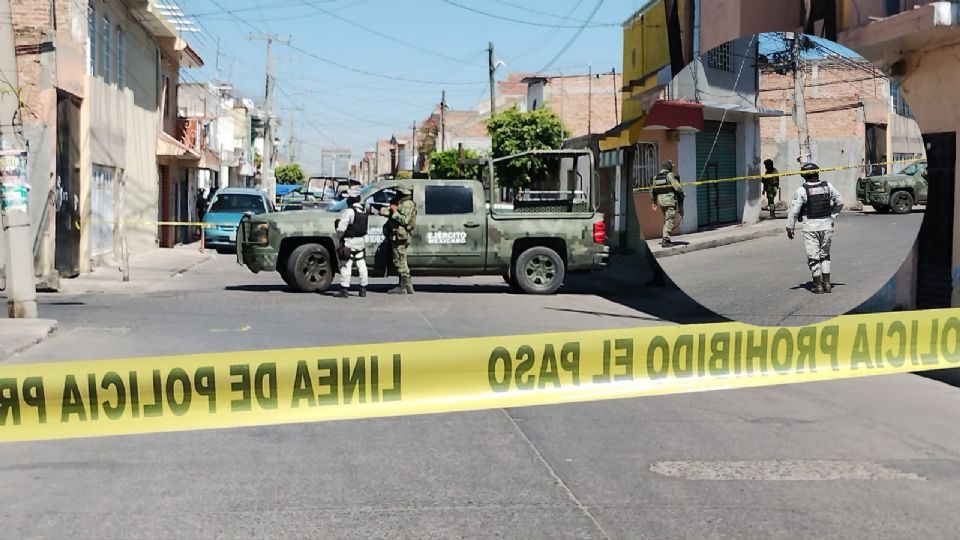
585	106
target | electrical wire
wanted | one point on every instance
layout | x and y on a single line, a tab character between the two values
573	38
386	36
531	23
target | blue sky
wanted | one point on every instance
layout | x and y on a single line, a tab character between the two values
437	42
361	70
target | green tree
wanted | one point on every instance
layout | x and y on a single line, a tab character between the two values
513	132
289	174
443	165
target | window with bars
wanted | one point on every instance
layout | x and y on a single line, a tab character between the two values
105	45
92	41
899	104
721	58
646	158
120	57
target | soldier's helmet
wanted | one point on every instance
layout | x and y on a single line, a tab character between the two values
667	165
809	170
768	163
405	188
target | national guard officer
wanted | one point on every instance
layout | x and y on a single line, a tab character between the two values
351	230
402	219
771	185
668	195
819	203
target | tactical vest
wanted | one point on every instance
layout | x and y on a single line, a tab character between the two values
818	200
661	185
358	227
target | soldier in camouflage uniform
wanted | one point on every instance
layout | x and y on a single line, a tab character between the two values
669	194
819	204
402	220
771	185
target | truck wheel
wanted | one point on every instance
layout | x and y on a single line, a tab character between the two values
901	202
310	268
285	274
538	270
880	209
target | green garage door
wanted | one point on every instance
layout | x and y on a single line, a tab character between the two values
717	203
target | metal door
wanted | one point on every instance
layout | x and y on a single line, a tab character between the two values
67	255
717	158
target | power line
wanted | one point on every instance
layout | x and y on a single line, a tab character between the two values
385	36
374	74
563	18
574	37
531	23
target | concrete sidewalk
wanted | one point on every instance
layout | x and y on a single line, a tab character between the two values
718	237
148	271
18	335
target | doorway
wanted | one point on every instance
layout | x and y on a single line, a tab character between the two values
67	197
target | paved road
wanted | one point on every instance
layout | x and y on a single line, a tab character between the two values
878	457
766	281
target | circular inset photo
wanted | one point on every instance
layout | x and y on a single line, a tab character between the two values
780	179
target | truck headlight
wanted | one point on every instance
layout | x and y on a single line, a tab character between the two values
880	187
259	233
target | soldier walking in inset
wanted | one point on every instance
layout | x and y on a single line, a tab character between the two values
819	203
771	185
668	194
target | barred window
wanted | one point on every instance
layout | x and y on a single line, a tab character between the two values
899	104
105	44
92	41
721	57
120	57
646	157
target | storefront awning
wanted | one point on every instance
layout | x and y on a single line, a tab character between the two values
169	147
681	115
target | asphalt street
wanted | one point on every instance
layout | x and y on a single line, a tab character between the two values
877	457
767	281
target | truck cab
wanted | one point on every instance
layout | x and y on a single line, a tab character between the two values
898	192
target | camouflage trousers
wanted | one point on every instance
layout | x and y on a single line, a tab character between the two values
817	245
771	202
399	250
669	220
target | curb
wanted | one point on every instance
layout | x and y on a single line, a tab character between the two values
717	242
5	353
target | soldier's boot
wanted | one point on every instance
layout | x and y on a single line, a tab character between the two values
666	242
401	288
827	286
409	287
773	213
342	293
817	285
363	292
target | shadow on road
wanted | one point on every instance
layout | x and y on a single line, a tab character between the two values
605	314
809	286
278	287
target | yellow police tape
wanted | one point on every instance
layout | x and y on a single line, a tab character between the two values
788	173
254	388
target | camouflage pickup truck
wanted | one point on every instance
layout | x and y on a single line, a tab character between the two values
464	228
895	192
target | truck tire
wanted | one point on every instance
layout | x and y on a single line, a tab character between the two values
881	209
901	202
310	268
285	274
538	270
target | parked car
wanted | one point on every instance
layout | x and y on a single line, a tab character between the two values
224	212
897	192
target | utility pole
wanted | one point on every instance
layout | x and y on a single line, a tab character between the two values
413	149
443	121
616	102
799	105
589	99
292	140
15	219
493	86
269	182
